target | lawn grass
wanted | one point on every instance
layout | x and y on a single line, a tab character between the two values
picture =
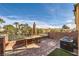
60	52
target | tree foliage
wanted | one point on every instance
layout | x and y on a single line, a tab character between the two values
65	27
9	28
1	21
39	31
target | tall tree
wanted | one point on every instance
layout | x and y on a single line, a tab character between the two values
17	27
16	24
25	29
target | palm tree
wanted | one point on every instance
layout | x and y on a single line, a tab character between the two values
17	25
28	29
23	28
1	21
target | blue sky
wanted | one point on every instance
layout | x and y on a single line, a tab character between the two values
45	15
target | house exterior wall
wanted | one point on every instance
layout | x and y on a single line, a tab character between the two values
76	13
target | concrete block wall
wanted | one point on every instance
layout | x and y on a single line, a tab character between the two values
58	35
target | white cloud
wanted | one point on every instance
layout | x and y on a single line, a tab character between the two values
69	21
39	24
72	26
12	16
9	21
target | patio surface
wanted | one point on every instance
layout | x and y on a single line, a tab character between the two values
40	49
